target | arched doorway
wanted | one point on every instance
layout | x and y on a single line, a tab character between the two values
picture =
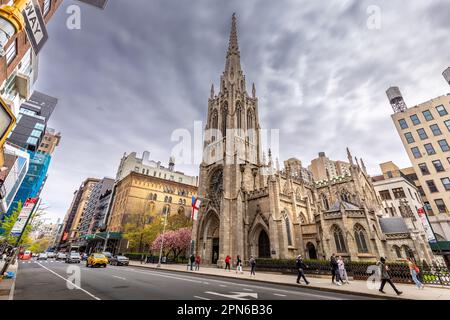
312	253
263	245
209	238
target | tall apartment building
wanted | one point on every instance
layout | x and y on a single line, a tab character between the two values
321	165
50	141
75	213
425	133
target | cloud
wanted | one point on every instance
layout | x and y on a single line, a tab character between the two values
140	69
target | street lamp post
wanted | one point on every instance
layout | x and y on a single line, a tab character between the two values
162	237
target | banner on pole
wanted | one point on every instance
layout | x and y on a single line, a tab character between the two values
24	214
426	225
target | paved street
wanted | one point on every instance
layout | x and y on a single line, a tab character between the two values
50	279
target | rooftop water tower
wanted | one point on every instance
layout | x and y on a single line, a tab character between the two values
396	99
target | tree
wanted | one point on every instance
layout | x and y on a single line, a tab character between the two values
40	245
175	242
178	221
8	223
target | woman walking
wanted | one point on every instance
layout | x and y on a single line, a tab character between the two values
227	263
197	263
253	266
238	264
342	271
414	271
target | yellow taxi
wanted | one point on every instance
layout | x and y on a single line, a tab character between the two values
97	259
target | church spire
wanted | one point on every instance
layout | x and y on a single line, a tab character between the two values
233	55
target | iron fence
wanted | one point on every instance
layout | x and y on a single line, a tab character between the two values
399	272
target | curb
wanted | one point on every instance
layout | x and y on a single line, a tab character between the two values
363	294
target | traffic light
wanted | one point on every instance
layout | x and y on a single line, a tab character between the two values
7	123
11	22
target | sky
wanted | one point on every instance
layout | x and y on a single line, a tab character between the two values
139	70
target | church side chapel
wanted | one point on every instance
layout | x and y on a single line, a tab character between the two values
252	207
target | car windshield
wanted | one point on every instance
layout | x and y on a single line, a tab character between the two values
99	256
74	254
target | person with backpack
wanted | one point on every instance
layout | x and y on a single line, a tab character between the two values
385	277
301	266
252	262
414	271
227	263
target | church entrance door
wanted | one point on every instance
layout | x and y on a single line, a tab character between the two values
263	245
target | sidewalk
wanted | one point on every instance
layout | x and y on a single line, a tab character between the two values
358	287
7	285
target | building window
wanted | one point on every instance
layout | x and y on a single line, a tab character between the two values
46	6
446	183
11	52
399	193
415	119
32	141
339	239
448	160
360	239
409	137
435	129
432	186
415	151
429	148
444	145
403	123
385	195
422	134
288	229
397	250
441	205
424	169
441	110
427	115
438	166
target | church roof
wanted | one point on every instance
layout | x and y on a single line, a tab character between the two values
393	225
347	206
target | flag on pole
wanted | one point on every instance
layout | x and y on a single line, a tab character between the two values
195	208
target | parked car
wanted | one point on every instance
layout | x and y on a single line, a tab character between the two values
51	255
26	255
97	259
73	257
108	255
61	256
42	256
119	261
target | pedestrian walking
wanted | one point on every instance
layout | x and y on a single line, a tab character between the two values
197	263
385	277
414	271
239	264
252	266
335	270
342	271
192	260
227	263
301	266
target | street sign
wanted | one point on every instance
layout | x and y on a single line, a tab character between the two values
96	3
7	121
35	25
22	219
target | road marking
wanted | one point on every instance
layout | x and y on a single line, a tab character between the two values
121	278
71	283
222	285
236	295
246	289
279	295
202	298
205	282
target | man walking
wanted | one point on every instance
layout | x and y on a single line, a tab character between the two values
252	266
192	260
385	277
197	263
335	270
301	266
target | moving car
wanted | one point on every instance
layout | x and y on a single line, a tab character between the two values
119	261
61	256
97	259
42	256
73	257
51	255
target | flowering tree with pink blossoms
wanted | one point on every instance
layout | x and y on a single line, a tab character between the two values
175	242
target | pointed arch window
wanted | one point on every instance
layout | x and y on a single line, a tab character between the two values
239	116
360	238
250	124
339	239
397	251
325	203
288	229
224	114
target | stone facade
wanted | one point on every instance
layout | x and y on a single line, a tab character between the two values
250	206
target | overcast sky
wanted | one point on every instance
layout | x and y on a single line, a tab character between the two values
140	69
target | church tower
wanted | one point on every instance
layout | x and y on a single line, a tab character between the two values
231	162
